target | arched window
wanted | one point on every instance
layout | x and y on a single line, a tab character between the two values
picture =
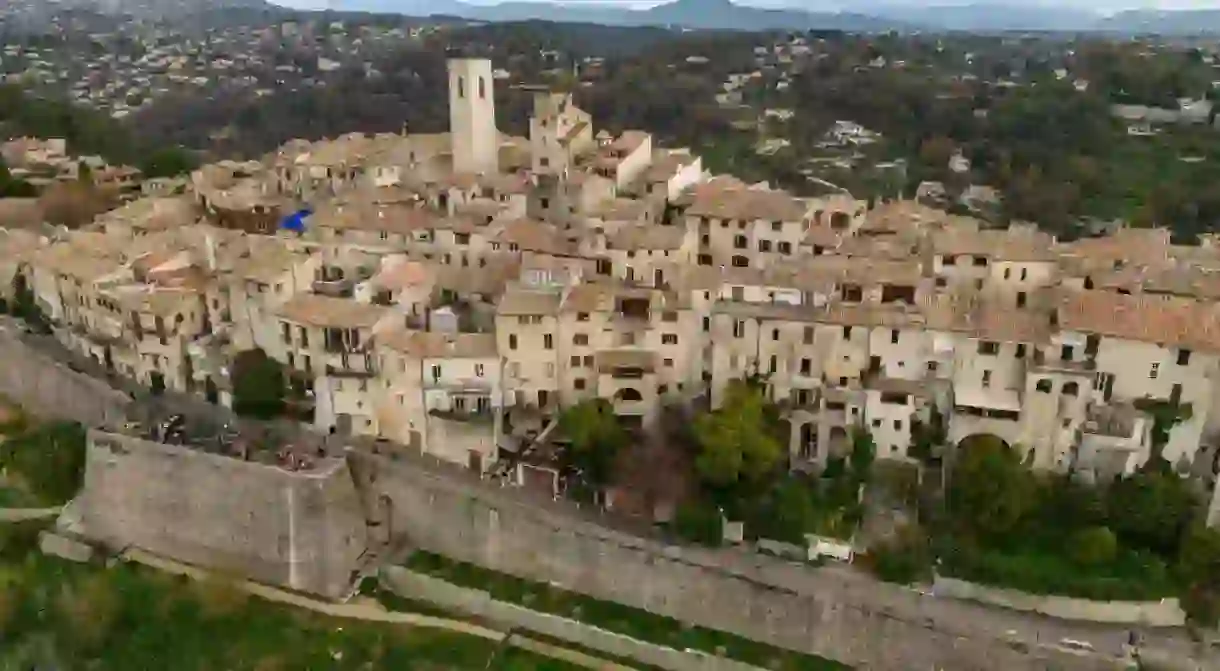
1071	388
1044	386
629	394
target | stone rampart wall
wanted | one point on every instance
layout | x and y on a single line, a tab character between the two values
49	388
833	613
301	530
1164	613
474	602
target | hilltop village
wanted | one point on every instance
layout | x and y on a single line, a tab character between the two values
452	292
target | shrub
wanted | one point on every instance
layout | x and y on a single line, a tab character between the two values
1093	546
49	459
905	559
699	522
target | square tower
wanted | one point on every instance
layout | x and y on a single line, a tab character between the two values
472	116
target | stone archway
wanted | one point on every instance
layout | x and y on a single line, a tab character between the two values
628	394
977	439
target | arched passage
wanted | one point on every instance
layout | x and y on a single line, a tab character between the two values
628	394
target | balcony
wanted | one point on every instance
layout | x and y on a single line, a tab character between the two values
351	364
341	288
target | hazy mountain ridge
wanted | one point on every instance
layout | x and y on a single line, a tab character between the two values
877	16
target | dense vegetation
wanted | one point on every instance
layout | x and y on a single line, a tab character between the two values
88	133
1141	537
55	614
45	463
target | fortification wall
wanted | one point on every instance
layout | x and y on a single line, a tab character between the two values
301	530
829	612
49	388
1163	613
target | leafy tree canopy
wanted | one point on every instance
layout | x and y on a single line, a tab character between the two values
259	385
596	436
991	489
737	442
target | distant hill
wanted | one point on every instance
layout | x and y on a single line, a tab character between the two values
700	14
988	17
866	17
1183	22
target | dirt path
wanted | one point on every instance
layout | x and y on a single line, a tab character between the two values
370	611
24	514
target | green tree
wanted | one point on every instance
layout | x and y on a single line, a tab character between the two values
863	453
699	522
259	386
168	162
1151	509
990	489
597	437
1093	546
905	558
1199	572
737	442
787	513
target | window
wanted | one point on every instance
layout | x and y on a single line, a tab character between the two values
579	384
847	333
548	341
894	334
774	364
1183	357
461	87
482	89
1024	274
932	366
777	226
785	247
893	398
1007	273
898	425
574	362
739	328
512	341
1154	371
588	362
580	339
806	366
986	379
1071	389
436	372
1044	386
1020	350
1066	353
550	370
1021	299
988	348
741	262
286	331
775	335
764	245
478	370
739	242
582	316
669	339
669	363
707	324
980	261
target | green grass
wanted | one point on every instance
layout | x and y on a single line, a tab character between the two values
616	617
131	618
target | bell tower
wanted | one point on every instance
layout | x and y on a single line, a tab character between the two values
472	116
